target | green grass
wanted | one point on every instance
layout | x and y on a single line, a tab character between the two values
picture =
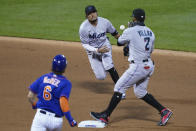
173	21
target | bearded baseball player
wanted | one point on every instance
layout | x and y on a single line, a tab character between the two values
140	41
53	91
94	40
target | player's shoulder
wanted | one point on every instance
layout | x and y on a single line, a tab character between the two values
84	25
129	29
65	80
102	19
149	29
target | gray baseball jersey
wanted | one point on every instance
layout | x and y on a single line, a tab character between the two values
93	37
141	42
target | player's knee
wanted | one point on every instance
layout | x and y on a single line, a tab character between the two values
139	93
118	88
100	77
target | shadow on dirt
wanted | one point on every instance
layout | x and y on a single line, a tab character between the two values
97	87
135	111
179	101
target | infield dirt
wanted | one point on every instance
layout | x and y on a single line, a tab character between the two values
23	60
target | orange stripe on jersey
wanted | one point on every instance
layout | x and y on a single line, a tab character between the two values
64	104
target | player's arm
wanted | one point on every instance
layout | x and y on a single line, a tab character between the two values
85	41
115	34
123	39
112	30
32	99
33	91
64	104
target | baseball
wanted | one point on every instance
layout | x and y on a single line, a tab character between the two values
122	27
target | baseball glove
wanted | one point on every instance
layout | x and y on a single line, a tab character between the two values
126	50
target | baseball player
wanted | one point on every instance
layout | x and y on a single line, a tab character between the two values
53	91
94	40
140	41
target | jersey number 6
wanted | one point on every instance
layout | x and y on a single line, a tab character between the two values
46	94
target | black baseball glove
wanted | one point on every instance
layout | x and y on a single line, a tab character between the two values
126	50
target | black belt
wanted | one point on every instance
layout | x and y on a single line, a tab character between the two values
146	60
44	112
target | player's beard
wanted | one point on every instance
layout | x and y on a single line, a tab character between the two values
93	21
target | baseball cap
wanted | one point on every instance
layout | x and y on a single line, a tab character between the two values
90	9
139	14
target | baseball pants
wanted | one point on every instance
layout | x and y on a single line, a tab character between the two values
46	122
137	75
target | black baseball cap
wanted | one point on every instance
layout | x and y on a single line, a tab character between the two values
139	14
90	9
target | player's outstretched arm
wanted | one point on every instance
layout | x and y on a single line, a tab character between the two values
66	111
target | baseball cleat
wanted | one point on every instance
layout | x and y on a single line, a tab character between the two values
165	115
103	117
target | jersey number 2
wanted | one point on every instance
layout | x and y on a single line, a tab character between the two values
46	94
147	40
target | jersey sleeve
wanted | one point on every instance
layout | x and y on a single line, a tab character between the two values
85	41
66	90
83	36
89	48
110	27
124	38
34	87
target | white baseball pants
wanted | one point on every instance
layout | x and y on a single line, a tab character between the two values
137	75
99	67
46	122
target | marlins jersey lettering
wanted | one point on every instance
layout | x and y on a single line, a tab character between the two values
95	36
49	88
141	42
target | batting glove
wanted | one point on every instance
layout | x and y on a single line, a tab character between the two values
73	123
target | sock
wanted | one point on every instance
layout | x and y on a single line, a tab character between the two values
148	98
116	98
114	74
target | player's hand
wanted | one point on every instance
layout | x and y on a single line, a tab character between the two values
34	105
103	49
73	123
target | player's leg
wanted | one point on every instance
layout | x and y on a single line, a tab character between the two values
114	74
55	124
109	66
126	80
97	67
140	90
38	123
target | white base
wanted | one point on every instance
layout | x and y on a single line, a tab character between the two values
91	124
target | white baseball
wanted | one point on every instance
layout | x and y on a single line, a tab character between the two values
122	27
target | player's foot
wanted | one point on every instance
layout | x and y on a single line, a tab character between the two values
123	96
103	117
165	115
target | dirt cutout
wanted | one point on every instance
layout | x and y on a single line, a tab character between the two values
23	60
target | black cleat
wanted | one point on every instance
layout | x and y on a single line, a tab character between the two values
165	115
103	117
